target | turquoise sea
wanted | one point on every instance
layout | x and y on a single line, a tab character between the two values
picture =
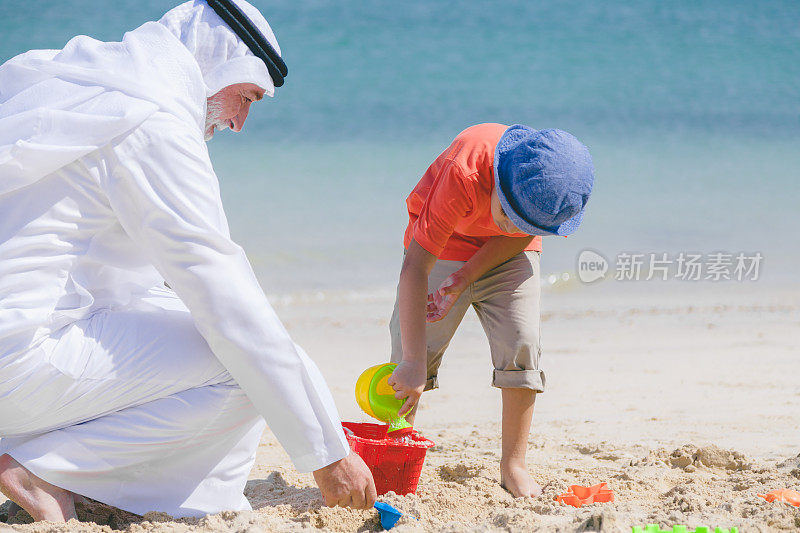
691	110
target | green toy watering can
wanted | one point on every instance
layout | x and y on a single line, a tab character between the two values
376	397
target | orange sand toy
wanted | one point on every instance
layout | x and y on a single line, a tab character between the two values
578	495
792	497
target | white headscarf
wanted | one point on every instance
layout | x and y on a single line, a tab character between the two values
58	105
224	59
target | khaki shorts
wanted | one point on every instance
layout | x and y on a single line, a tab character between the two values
507	302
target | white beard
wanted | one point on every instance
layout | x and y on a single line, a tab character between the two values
213	109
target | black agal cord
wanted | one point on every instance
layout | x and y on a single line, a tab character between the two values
249	34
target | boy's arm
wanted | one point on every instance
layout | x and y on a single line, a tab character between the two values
494	252
409	377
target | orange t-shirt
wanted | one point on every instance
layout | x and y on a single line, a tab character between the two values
449	210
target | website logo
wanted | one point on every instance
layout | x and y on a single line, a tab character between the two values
591	266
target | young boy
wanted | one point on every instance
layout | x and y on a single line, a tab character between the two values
474	238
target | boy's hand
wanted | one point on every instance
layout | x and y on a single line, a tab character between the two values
408	380
441	301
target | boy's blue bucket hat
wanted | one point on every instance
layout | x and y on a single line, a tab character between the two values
543	178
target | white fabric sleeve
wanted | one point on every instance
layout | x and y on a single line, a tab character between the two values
165	193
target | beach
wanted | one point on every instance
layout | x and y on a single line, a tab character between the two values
681	395
683	400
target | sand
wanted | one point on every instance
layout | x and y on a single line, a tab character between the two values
685	403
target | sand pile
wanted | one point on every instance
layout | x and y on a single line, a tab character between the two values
460	491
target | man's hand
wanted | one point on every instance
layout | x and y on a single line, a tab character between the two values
441	301
408	380
347	482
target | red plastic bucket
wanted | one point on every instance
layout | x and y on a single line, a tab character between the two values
395	463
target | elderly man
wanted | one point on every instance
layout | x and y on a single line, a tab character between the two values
113	384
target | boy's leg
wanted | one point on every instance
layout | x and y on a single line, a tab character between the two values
437	334
517	416
507	303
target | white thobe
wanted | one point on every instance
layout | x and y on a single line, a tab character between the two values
117	388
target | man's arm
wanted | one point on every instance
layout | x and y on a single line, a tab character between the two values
165	194
494	252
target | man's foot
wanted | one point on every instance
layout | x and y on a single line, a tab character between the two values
42	500
516	480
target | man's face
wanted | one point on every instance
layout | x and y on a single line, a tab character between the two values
229	107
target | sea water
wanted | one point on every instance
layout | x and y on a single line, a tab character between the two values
691	111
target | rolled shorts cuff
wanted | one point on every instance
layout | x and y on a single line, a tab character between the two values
519	379
431	383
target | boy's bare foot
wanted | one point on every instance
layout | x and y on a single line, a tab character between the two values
516	480
42	500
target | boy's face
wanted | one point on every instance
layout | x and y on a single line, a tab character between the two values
500	217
